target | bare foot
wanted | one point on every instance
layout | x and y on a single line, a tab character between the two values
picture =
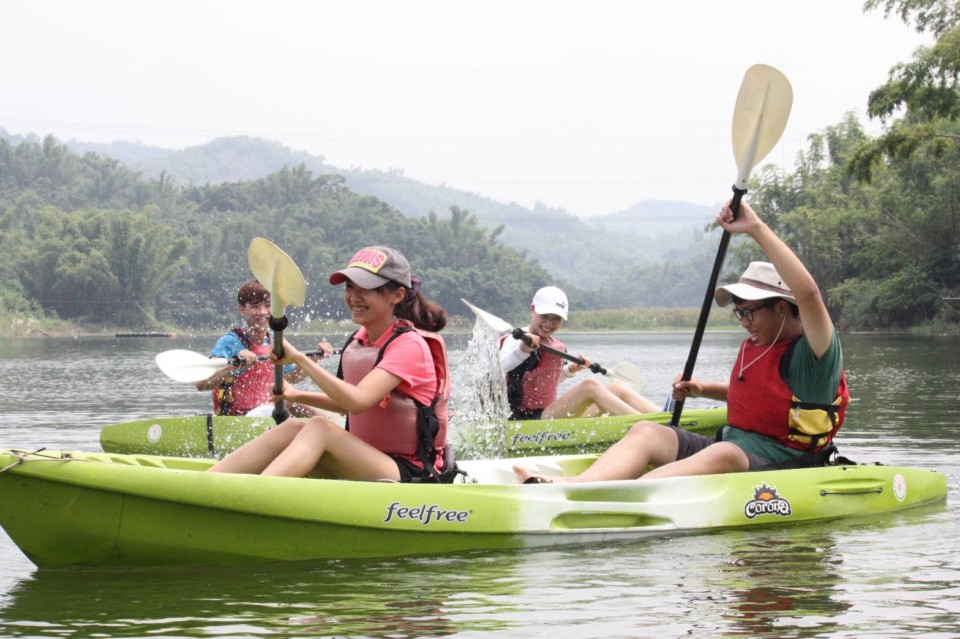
527	476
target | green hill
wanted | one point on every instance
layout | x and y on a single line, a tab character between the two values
585	253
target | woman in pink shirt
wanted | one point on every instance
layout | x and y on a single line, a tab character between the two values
393	385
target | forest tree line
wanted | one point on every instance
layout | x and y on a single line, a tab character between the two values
85	239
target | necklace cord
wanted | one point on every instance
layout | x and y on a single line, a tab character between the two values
743	348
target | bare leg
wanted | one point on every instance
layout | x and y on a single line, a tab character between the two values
644	444
629	394
257	454
323	446
722	457
591	395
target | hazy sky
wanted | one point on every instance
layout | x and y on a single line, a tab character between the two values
585	105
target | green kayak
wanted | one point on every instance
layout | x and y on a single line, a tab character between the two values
210	436
97	509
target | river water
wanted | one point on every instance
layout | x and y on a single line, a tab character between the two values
890	576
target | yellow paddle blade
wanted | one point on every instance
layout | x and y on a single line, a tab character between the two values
278	273
759	117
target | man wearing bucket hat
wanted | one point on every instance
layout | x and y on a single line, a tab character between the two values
786	395
534	375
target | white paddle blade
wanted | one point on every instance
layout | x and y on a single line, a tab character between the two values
187	366
759	118
278	273
628	373
492	321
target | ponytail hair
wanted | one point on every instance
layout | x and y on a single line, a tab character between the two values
415	308
425	315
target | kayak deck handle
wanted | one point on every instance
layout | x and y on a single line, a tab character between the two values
853	491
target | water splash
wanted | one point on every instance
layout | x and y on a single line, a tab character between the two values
479	408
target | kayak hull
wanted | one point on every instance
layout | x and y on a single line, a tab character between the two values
215	436
190	436
95	509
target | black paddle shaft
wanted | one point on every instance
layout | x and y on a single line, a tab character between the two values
280	412
707	302
518	333
235	360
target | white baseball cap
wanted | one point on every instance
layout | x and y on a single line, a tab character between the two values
550	300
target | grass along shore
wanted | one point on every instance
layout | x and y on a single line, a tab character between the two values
19	325
613	320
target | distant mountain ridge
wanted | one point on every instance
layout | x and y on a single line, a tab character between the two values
582	253
657	217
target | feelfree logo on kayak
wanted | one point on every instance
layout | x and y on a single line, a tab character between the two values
540	437
425	514
766	501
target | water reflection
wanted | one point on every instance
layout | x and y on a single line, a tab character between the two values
764	604
403	598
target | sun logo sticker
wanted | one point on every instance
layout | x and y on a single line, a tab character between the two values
899	487
766	501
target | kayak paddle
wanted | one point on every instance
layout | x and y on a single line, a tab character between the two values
759	118
280	275
624	371
187	366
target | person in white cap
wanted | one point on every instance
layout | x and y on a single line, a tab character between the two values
786	395
534	375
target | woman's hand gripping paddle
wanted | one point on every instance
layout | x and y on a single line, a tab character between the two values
624	371
279	274
759	118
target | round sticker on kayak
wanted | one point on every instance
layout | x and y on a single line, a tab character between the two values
899	487
154	433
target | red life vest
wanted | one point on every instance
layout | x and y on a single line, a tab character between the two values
391	426
763	403
539	377
240	393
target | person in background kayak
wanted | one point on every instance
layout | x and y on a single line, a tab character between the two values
393	385
238	390
786	395
533	375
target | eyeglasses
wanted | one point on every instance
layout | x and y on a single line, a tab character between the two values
747	313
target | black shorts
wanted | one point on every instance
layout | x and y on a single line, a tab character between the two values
520	413
691	443
409	470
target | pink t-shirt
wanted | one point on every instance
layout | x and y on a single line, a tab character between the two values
408	358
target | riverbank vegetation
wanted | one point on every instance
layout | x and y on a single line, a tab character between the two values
610	320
